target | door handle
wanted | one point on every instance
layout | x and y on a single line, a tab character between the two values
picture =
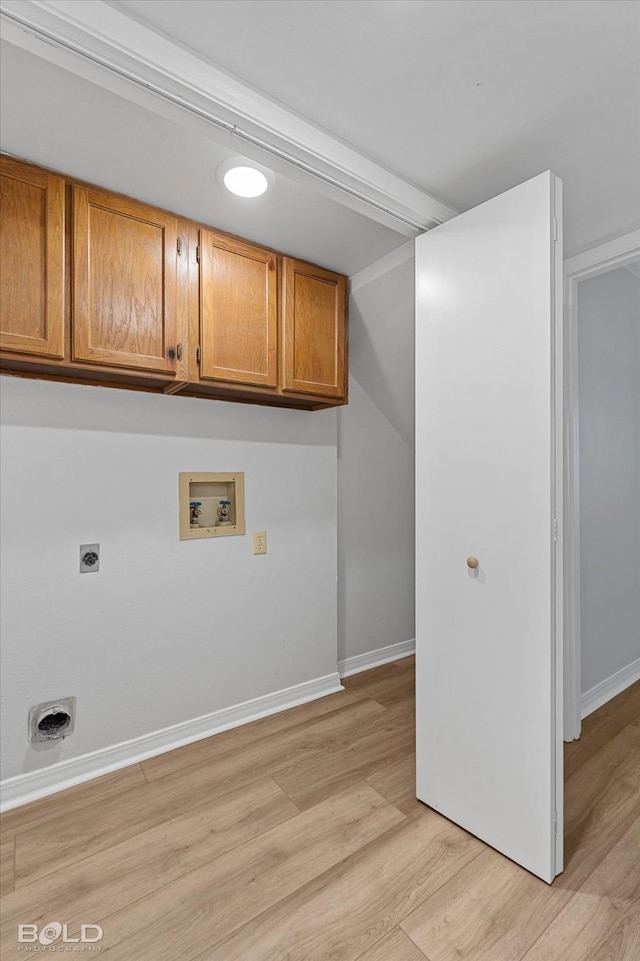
473	563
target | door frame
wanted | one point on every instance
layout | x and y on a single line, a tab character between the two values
598	260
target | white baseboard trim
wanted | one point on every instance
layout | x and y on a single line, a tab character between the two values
591	700
24	788
382	655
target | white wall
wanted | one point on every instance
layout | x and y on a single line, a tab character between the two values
376	467
168	630
609	412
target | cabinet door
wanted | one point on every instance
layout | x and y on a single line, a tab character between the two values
31	260
124	282
315	330
238	311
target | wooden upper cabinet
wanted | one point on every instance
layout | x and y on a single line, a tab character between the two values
133	296
31	260
315	330
238	311
124	282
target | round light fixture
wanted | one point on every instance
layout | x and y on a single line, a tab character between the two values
244	178
245	181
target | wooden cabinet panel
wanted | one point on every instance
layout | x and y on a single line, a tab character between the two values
134	308
124	282
31	260
314	329
238	311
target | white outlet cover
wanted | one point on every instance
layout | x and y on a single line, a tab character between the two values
259	542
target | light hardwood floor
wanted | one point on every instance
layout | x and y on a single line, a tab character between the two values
299	838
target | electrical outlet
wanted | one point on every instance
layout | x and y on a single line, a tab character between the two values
259	542
89	558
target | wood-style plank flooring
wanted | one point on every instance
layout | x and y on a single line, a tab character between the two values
299	838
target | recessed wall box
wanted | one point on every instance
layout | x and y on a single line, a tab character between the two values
52	720
211	505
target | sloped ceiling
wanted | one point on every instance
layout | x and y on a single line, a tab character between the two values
460	100
381	340
464	98
52	117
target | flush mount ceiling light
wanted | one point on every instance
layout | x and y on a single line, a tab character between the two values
245	181
244	178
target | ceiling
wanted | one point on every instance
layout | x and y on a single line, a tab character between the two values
634	267
54	118
396	103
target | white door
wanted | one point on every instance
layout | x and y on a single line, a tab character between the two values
489	486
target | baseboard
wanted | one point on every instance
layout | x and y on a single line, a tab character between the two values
382	655
591	700
28	787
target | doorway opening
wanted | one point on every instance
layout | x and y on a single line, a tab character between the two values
605	360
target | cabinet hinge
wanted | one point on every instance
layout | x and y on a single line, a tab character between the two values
179	246
555	530
198	354
198	254
555	228
179	351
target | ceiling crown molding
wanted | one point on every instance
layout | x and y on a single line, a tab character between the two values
618	252
105	41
